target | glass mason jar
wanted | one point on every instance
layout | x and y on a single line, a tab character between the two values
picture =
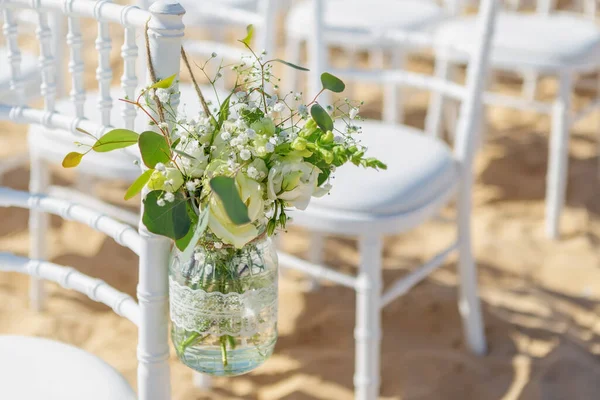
223	304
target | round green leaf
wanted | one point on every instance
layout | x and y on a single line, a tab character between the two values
170	220
332	83
225	188
164	83
72	160
115	139
321	117
154	149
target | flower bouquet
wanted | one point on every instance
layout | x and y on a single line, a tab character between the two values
219	185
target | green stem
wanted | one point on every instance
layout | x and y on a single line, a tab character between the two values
188	341
223	340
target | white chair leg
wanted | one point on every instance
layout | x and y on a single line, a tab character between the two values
202	381
367	333
316	247
433	120
468	297
558	157
39	181
530	79
393	107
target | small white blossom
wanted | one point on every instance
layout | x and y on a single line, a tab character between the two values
245	154
160	202
218	245
303	110
225	135
251	133
159	166
190	186
170	197
163	125
269	147
253	172
163	95
279	107
353	113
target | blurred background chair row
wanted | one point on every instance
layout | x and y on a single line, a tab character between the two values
531	40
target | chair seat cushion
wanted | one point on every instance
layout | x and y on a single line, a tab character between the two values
54	144
547	42
420	168
358	17
35	368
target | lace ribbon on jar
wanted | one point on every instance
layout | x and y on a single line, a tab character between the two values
215	313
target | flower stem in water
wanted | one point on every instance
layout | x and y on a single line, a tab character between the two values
223	340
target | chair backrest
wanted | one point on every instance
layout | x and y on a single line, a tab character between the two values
131	20
470	93
165	32
69	278
544	7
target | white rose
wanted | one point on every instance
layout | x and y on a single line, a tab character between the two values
293	181
219	223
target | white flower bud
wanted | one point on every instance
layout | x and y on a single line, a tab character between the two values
245	154
170	197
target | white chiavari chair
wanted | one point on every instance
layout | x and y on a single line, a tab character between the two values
424	174
165	29
37	368
560	44
29	67
352	23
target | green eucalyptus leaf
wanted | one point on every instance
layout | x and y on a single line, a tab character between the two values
72	159
323	176
197	229
154	149
170	220
115	139
249	34
164	83
138	184
321	117
224	112
225	188
332	83
184	154
289	64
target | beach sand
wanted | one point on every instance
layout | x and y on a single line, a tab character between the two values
540	297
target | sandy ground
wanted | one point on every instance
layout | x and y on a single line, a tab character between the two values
540	296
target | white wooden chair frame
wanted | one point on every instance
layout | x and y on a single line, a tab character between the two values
149	315
165	31
563	117
370	298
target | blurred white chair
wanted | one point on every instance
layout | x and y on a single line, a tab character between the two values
37	368
30	83
423	176
559	44
166	31
351	24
